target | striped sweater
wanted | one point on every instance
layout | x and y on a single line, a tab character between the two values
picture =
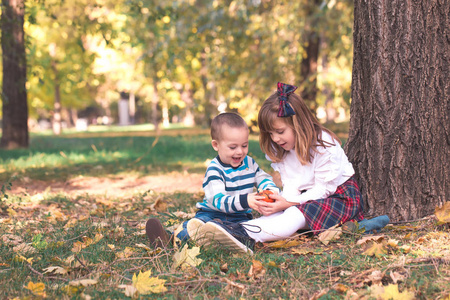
226	188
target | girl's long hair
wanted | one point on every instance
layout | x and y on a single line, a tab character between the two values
307	129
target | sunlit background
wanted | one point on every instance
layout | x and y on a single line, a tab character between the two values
179	63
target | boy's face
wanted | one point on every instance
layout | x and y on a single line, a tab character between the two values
232	146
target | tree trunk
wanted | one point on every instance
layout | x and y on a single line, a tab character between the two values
399	127
155	101
187	97
308	66
56	122
14	94
209	87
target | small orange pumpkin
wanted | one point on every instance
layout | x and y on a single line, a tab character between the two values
266	194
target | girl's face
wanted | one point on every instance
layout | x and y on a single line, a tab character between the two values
283	135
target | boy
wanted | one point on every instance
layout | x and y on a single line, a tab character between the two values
228	183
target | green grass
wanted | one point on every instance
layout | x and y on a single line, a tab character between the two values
52	224
50	157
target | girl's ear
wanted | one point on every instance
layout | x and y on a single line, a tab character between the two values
215	145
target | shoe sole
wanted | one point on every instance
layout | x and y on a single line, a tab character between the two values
193	227
156	233
210	233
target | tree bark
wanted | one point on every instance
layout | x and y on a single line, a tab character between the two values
399	126
14	94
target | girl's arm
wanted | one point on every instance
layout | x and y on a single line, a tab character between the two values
332	168
280	204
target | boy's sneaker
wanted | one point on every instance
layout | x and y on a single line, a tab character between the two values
227	234
193	226
156	233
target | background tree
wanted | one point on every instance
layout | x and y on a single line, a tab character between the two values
399	127
182	61
14	94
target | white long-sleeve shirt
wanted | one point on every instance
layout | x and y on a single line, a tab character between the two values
317	180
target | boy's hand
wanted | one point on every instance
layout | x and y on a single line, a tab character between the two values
254	200
268	208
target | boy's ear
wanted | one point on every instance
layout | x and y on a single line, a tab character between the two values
215	145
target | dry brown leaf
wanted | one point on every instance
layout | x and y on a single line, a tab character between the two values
11	239
332	233
127	252
374	278
340	288
257	270
393	243
224	268
319	294
56	270
159	205
87	241
405	248
130	291
83	282
396	276
375	238
24	248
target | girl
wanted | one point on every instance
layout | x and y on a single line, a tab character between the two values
319	190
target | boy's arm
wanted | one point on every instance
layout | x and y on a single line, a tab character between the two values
216	196
263	180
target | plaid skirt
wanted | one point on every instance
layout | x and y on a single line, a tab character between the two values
342	206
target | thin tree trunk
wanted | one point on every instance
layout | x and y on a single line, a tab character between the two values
155	101
399	128
308	65
56	122
14	94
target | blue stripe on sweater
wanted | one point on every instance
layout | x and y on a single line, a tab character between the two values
239	188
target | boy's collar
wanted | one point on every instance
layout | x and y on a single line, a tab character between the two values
228	165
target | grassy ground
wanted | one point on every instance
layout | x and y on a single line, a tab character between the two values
94	247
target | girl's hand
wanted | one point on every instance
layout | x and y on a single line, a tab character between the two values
267	208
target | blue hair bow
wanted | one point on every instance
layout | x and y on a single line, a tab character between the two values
284	90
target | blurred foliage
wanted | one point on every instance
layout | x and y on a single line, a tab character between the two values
184	58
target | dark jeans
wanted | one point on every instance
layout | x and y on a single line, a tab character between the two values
206	215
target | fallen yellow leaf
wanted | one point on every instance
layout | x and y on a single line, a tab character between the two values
443	213
186	257
146	284
283	244
37	288
390	292
11	212
23	258
375	249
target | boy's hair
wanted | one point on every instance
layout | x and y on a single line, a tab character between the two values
307	129
231	119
